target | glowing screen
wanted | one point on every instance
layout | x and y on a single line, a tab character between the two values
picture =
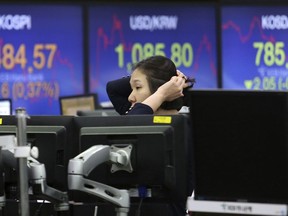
121	35
40	55
254	47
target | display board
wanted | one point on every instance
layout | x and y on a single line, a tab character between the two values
254	47
41	55
121	35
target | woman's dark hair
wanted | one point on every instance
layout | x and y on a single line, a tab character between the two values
159	70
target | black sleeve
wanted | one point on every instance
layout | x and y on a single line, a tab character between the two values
118	92
140	109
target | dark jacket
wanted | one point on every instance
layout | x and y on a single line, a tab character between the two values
118	92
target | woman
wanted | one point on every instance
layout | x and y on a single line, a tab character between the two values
155	87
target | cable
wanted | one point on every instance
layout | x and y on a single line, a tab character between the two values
138	210
38	210
142	191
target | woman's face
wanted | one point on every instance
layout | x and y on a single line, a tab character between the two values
140	87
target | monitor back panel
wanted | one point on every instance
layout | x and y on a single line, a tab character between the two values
240	145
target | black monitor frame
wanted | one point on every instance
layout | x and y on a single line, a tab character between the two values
240	145
162	169
98	112
43	131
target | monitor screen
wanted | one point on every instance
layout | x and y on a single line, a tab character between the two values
69	105
53	137
122	34
5	107
241	144
41	55
254	46
158	157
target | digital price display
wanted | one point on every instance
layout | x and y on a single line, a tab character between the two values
122	35
255	47
41	51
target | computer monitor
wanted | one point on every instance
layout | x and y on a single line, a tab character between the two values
54	139
241	144
5	106
159	152
69	105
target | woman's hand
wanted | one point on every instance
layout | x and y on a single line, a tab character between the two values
172	89
169	91
188	81
180	74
